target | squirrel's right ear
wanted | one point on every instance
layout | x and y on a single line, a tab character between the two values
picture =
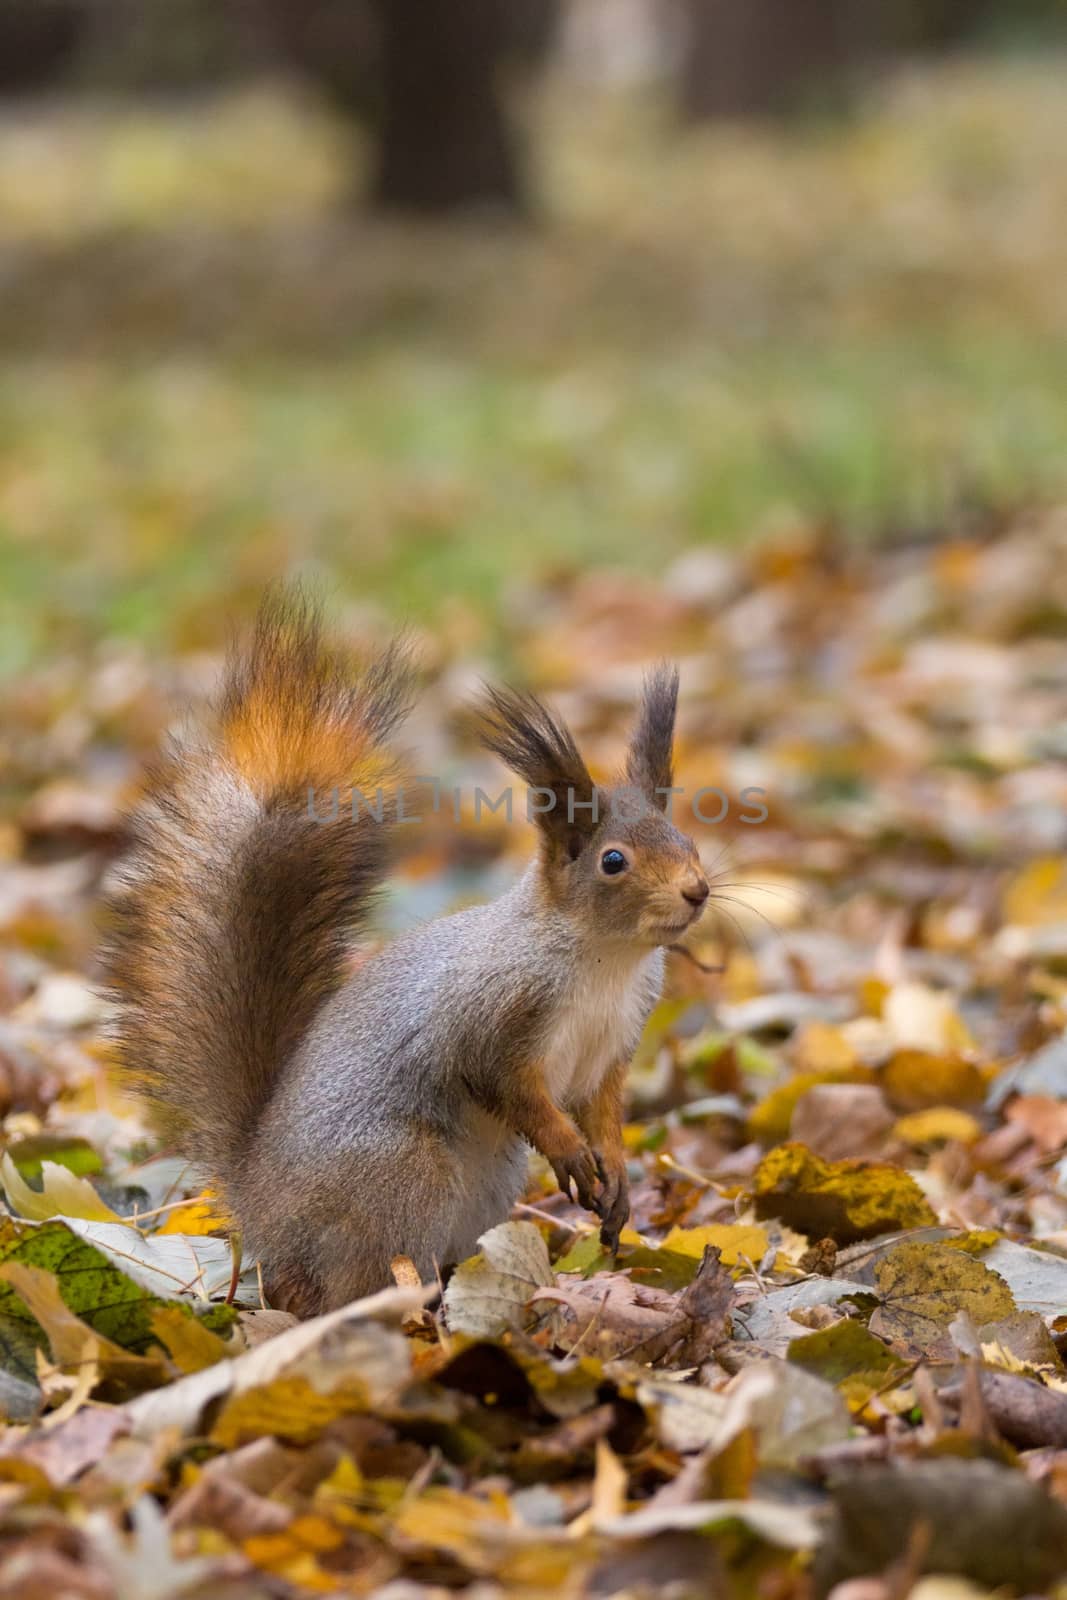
536	745
649	760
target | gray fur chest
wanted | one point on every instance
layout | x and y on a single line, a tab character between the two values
599	1022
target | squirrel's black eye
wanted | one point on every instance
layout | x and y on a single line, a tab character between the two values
613	862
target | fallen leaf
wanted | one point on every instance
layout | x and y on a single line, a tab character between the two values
739	1244
841	1200
1020	1343
190	1345
793	1412
923	1287
791	1527
1037	1278
839	1121
191	1265
937	1126
609	1485
845	1350
65	1150
984	1521
63	1452
923	1019
1027	1413
767	1321
89	1286
141	1561
916	1080
63	1194
623	1319
489	1293
1044	1072
73	1342
195	1217
1043	1117
356	1338
1037	895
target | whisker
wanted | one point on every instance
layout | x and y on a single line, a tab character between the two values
755	910
727	847
719	912
799	896
764	888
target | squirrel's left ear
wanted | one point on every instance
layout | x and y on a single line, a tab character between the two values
648	760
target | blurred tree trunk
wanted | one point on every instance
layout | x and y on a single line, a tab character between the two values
38	42
445	140
759	57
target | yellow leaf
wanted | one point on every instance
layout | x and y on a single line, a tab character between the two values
820	1047
872	996
190	1345
291	1553
345	1482
738	1242
994	1354
609	1484
290	1408
842	1200
1037	896
924	1286
62	1194
938	1124
447	1519
197	1216
975	1242
915	1080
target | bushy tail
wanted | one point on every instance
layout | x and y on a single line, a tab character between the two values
232	913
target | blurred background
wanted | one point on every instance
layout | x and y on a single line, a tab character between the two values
439	297
570	333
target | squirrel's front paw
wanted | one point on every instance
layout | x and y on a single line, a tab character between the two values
613	1204
578	1167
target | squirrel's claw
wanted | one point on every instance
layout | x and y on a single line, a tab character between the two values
579	1168
613	1205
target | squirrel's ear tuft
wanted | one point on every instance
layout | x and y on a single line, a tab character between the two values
648	761
540	749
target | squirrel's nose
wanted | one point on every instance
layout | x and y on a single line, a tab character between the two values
696	892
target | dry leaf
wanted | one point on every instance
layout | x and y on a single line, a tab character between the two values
489	1293
62	1194
923	1287
916	1080
841	1200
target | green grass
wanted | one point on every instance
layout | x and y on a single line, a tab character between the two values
711	338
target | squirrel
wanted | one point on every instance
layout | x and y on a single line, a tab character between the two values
352	1111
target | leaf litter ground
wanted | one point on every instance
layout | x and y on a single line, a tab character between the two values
829	1355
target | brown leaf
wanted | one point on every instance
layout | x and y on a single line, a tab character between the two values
1026	1413
707	1303
620	1318
984	1522
841	1120
218	1501
35	1572
1043	1118
66	1450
